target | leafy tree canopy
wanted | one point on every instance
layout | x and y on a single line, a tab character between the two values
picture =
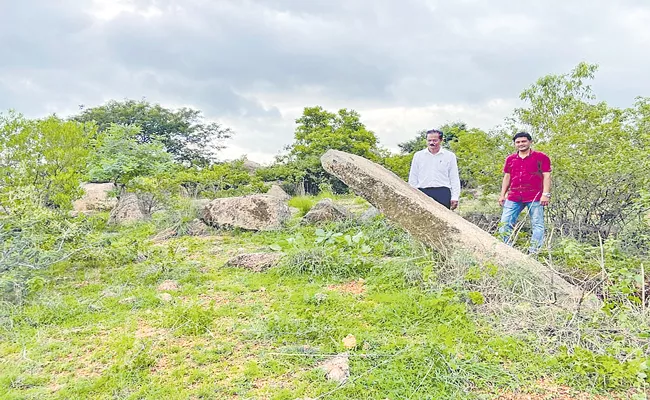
121	157
47	155
419	142
182	132
319	130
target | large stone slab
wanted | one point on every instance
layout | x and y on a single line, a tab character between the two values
255	212
438	227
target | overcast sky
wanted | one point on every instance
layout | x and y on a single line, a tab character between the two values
254	65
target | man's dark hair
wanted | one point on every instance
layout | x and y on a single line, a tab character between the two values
440	134
522	134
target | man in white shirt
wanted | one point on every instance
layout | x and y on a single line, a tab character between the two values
434	171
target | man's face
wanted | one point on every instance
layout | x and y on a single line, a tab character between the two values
522	144
434	142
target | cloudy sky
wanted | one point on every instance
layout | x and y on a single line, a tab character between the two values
254	64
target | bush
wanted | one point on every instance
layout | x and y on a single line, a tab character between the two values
49	156
33	238
302	203
218	180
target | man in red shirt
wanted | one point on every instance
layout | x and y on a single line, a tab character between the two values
527	182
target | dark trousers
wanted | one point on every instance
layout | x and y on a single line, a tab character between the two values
440	194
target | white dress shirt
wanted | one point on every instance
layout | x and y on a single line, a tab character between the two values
435	170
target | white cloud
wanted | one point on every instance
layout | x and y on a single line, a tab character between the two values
255	64
107	10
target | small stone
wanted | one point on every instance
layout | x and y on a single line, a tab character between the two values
350	342
369	214
198	228
337	368
166	297
256	262
129	208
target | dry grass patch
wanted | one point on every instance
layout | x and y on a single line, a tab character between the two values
548	390
354	287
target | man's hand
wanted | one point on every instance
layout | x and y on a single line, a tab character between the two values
454	204
502	199
544	201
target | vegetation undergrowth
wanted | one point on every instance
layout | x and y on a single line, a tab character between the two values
99	324
304	203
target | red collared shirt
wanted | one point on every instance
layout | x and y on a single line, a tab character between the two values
526	179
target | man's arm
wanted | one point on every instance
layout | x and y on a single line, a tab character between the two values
413	173
454	178
547	188
505	184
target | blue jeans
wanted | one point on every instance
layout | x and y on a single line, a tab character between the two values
511	211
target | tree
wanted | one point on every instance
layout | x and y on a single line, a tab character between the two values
48	155
419	142
399	164
218	180
480	158
600	154
121	157
182	132
318	131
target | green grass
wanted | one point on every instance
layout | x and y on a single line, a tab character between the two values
98	328
306	202
302	203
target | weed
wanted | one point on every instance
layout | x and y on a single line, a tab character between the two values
193	319
302	203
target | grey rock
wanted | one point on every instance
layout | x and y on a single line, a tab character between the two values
324	211
251	166
198	228
277	191
128	209
254	212
256	262
165	234
369	214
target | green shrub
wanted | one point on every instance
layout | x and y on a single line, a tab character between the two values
302	203
49	156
